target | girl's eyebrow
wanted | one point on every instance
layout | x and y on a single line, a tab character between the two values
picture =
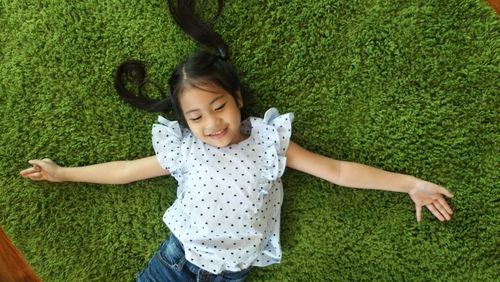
211	102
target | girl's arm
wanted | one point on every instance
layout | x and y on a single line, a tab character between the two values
118	172
356	175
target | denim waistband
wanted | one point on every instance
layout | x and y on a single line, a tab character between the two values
204	275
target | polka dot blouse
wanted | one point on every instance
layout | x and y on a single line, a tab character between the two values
227	211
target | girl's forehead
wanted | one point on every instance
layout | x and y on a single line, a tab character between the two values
203	87
194	97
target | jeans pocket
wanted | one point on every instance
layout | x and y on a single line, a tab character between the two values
171	254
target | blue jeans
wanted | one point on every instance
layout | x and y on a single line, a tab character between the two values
169	264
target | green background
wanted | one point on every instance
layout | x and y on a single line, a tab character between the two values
407	86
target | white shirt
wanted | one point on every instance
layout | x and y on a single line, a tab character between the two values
227	211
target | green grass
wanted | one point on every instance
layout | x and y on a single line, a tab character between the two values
407	86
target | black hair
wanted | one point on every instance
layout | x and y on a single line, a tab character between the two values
207	66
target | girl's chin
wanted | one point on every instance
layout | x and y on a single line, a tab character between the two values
217	142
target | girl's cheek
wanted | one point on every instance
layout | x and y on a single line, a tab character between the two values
197	132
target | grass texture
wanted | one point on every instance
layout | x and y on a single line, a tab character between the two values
407	86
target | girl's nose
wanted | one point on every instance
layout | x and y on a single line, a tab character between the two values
213	121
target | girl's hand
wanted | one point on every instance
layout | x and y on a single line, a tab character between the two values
430	195
44	169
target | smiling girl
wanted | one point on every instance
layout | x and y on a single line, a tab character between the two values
226	217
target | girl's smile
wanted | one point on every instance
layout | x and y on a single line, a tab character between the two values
218	134
212	114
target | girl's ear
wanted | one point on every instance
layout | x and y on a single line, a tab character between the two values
239	99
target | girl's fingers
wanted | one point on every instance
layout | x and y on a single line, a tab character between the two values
39	163
33	173
33	176
445	192
442	210
435	212
30	170
419	212
36	176
445	205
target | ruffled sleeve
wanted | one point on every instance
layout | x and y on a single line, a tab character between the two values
275	131
283	126
167	139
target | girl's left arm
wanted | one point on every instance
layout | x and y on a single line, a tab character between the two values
355	175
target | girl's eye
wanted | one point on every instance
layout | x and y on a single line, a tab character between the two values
196	118
220	108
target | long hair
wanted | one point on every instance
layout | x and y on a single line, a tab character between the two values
207	66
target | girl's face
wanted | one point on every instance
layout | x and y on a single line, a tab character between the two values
213	115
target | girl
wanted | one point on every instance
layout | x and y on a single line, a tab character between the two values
226	217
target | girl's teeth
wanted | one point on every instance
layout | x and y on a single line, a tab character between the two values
218	132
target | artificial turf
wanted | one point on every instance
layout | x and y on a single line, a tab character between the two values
407	86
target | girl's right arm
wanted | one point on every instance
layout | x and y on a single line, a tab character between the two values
118	172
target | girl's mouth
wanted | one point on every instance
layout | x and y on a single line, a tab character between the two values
218	134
